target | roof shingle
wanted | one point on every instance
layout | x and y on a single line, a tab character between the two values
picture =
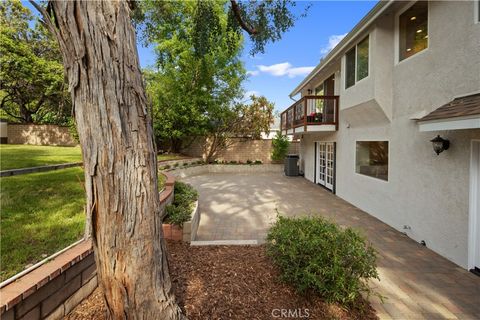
459	107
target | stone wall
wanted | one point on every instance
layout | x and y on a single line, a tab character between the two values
241	150
36	134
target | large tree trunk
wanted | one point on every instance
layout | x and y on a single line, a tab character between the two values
99	51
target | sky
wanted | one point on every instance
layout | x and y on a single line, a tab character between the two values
288	61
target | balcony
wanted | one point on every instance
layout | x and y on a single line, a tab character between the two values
311	114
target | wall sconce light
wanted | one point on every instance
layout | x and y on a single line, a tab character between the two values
309	91
440	144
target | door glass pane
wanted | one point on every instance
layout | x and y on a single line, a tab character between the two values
362	59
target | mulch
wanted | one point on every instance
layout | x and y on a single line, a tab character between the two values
232	282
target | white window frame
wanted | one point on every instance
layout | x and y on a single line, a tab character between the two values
397	33
356	58
355	159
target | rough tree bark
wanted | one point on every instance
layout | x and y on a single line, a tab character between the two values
98	45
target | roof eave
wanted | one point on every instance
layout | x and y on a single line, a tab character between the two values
359	27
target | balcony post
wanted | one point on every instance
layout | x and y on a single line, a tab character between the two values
305	115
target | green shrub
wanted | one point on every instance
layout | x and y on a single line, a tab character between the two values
181	208
249	161
315	255
185	164
258	162
280	146
233	162
167	166
176	164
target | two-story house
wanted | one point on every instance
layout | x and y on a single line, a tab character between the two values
407	73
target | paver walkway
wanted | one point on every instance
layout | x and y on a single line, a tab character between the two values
418	283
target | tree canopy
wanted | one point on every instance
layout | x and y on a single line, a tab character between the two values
31	71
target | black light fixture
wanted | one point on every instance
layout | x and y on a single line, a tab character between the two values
440	144
309	91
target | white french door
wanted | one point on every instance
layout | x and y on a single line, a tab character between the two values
325	164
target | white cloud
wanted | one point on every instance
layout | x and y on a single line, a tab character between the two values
285	68
253	73
333	40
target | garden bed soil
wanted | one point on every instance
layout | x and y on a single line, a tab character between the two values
231	282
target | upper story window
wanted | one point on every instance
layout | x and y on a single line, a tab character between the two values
356	63
413	30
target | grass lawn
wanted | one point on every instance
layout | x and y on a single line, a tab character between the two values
41	214
24	156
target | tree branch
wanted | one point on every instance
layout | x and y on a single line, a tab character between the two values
238	15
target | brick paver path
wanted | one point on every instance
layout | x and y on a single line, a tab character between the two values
418	283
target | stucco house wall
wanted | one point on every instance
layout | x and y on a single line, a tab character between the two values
426	192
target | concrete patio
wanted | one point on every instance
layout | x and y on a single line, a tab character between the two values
418	283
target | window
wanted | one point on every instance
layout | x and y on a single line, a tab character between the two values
362	59
372	159
356	63
413	30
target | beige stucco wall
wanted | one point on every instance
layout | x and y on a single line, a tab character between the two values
39	135
426	192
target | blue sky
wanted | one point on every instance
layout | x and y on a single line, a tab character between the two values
285	63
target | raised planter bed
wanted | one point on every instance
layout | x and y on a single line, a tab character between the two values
187	232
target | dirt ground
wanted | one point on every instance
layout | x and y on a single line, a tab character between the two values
231	282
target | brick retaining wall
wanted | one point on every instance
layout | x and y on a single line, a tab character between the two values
241	150
39	134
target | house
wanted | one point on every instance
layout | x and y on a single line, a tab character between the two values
407	73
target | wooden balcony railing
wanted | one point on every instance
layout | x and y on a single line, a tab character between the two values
310	110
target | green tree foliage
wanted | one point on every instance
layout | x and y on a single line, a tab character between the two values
244	121
188	90
280	146
31	71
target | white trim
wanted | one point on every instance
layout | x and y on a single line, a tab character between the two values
450	124
397	33
355	159
473	211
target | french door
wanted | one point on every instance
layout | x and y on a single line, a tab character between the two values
325	164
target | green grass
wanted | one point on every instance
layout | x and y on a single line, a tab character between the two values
41	213
24	156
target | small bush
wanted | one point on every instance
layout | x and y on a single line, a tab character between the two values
181	208
249	162
185	164
258	162
167	166
176	164
233	162
280	145
315	255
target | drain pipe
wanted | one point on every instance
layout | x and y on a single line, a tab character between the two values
38	264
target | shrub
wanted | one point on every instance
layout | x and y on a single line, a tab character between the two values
280	145
181	208
315	255
249	162
185	164
167	166
176	164
233	162
258	162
